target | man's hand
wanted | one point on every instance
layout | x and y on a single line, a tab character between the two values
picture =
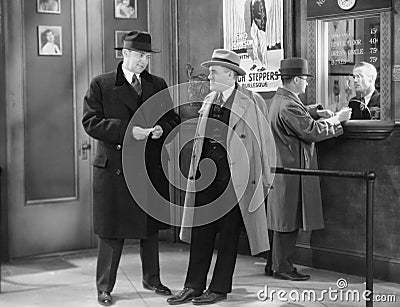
344	114
140	133
156	132
325	113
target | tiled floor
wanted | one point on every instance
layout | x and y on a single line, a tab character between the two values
68	280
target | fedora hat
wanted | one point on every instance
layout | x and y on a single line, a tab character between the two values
138	41
225	58
294	67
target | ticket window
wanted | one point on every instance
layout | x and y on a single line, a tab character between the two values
343	43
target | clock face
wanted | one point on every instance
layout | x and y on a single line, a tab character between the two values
346	4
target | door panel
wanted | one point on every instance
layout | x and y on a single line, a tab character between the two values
49	201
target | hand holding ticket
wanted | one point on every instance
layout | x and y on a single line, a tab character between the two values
140	133
344	114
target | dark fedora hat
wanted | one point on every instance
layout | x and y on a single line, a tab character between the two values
226	58
137	40
292	67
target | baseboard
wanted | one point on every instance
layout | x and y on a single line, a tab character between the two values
346	262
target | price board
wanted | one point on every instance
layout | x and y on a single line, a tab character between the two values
352	41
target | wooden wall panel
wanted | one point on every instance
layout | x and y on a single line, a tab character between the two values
49	108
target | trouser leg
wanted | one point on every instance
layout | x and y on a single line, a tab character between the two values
109	255
271	242
284	244
149	254
230	227
201	251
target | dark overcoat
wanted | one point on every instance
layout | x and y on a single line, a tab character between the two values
360	111
109	105
295	201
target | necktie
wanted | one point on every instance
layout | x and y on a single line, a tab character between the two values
136	85
220	100
362	104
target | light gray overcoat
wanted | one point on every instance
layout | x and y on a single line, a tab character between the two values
251	153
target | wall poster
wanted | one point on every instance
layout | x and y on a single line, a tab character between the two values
254	30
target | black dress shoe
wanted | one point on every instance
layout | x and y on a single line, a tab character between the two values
268	270
104	298
157	289
209	297
294	276
184	296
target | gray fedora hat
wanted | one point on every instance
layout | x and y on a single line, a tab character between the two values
225	58
294	67
138	41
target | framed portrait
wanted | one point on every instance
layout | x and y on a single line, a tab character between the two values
50	40
49	6
119	35
126	9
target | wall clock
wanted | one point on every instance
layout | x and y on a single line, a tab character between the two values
346	4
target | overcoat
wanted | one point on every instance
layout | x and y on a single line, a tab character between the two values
251	153
109	105
295	201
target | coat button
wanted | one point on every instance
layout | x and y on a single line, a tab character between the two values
242	136
191	177
193	156
119	147
118	172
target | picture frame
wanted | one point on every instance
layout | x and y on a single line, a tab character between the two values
49	6
125	9
49	40
119	35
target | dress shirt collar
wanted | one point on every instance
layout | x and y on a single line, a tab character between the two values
128	75
227	93
367	97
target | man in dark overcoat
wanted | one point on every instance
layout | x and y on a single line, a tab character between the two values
110	102
295	201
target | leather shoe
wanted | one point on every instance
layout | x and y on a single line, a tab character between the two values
104	298
268	270
293	275
157	289
184	296
209	297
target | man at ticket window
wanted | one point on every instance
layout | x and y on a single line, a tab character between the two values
366	103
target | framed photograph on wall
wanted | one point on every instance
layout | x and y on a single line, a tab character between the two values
119	35
49	6
125	9
50	40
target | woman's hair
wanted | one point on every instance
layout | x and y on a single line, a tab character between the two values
43	36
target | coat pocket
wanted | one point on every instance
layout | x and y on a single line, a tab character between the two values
100	161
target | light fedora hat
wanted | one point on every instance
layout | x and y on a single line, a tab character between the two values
138	41
225	58
294	67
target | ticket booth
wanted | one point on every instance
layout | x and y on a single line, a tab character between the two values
341	34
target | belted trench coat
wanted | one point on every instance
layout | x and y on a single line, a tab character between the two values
250	154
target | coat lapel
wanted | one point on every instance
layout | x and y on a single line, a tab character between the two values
237	111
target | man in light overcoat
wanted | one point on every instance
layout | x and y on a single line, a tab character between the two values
232	133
